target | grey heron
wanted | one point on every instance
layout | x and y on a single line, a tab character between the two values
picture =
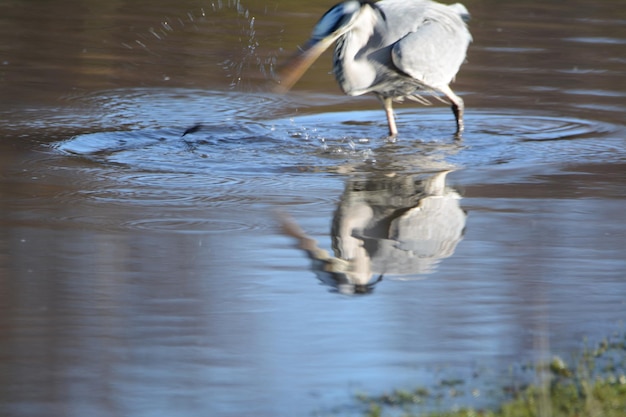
395	49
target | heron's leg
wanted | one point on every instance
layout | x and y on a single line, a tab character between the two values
457	108
391	120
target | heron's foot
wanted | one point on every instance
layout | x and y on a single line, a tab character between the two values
458	135
458	108
392	138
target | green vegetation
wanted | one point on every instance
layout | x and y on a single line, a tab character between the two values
591	385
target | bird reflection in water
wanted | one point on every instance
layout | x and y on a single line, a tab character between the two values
397	225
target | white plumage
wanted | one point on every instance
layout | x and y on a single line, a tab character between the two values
395	49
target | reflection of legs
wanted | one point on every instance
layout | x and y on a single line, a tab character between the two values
457	108
348	224
391	121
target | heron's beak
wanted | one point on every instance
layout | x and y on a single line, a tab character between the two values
295	68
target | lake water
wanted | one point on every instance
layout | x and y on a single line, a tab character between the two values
147	273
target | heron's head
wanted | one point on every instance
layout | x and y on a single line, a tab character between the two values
335	23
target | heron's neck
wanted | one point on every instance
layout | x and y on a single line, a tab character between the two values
351	67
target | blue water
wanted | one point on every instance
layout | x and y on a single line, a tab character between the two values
147	272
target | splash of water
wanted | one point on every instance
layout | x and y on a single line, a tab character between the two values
249	63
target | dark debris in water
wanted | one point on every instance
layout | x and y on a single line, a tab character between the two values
193	129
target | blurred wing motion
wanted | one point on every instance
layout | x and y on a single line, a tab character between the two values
395	49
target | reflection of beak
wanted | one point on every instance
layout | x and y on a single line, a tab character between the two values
297	66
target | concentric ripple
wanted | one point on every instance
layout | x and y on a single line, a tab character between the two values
542	128
244	156
189	225
324	141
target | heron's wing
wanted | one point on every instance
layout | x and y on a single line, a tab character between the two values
434	52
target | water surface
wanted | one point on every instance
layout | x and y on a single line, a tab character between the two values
145	272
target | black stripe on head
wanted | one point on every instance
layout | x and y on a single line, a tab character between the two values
336	17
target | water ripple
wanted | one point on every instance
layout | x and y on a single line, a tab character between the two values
224	167
325	141
189	225
597	40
